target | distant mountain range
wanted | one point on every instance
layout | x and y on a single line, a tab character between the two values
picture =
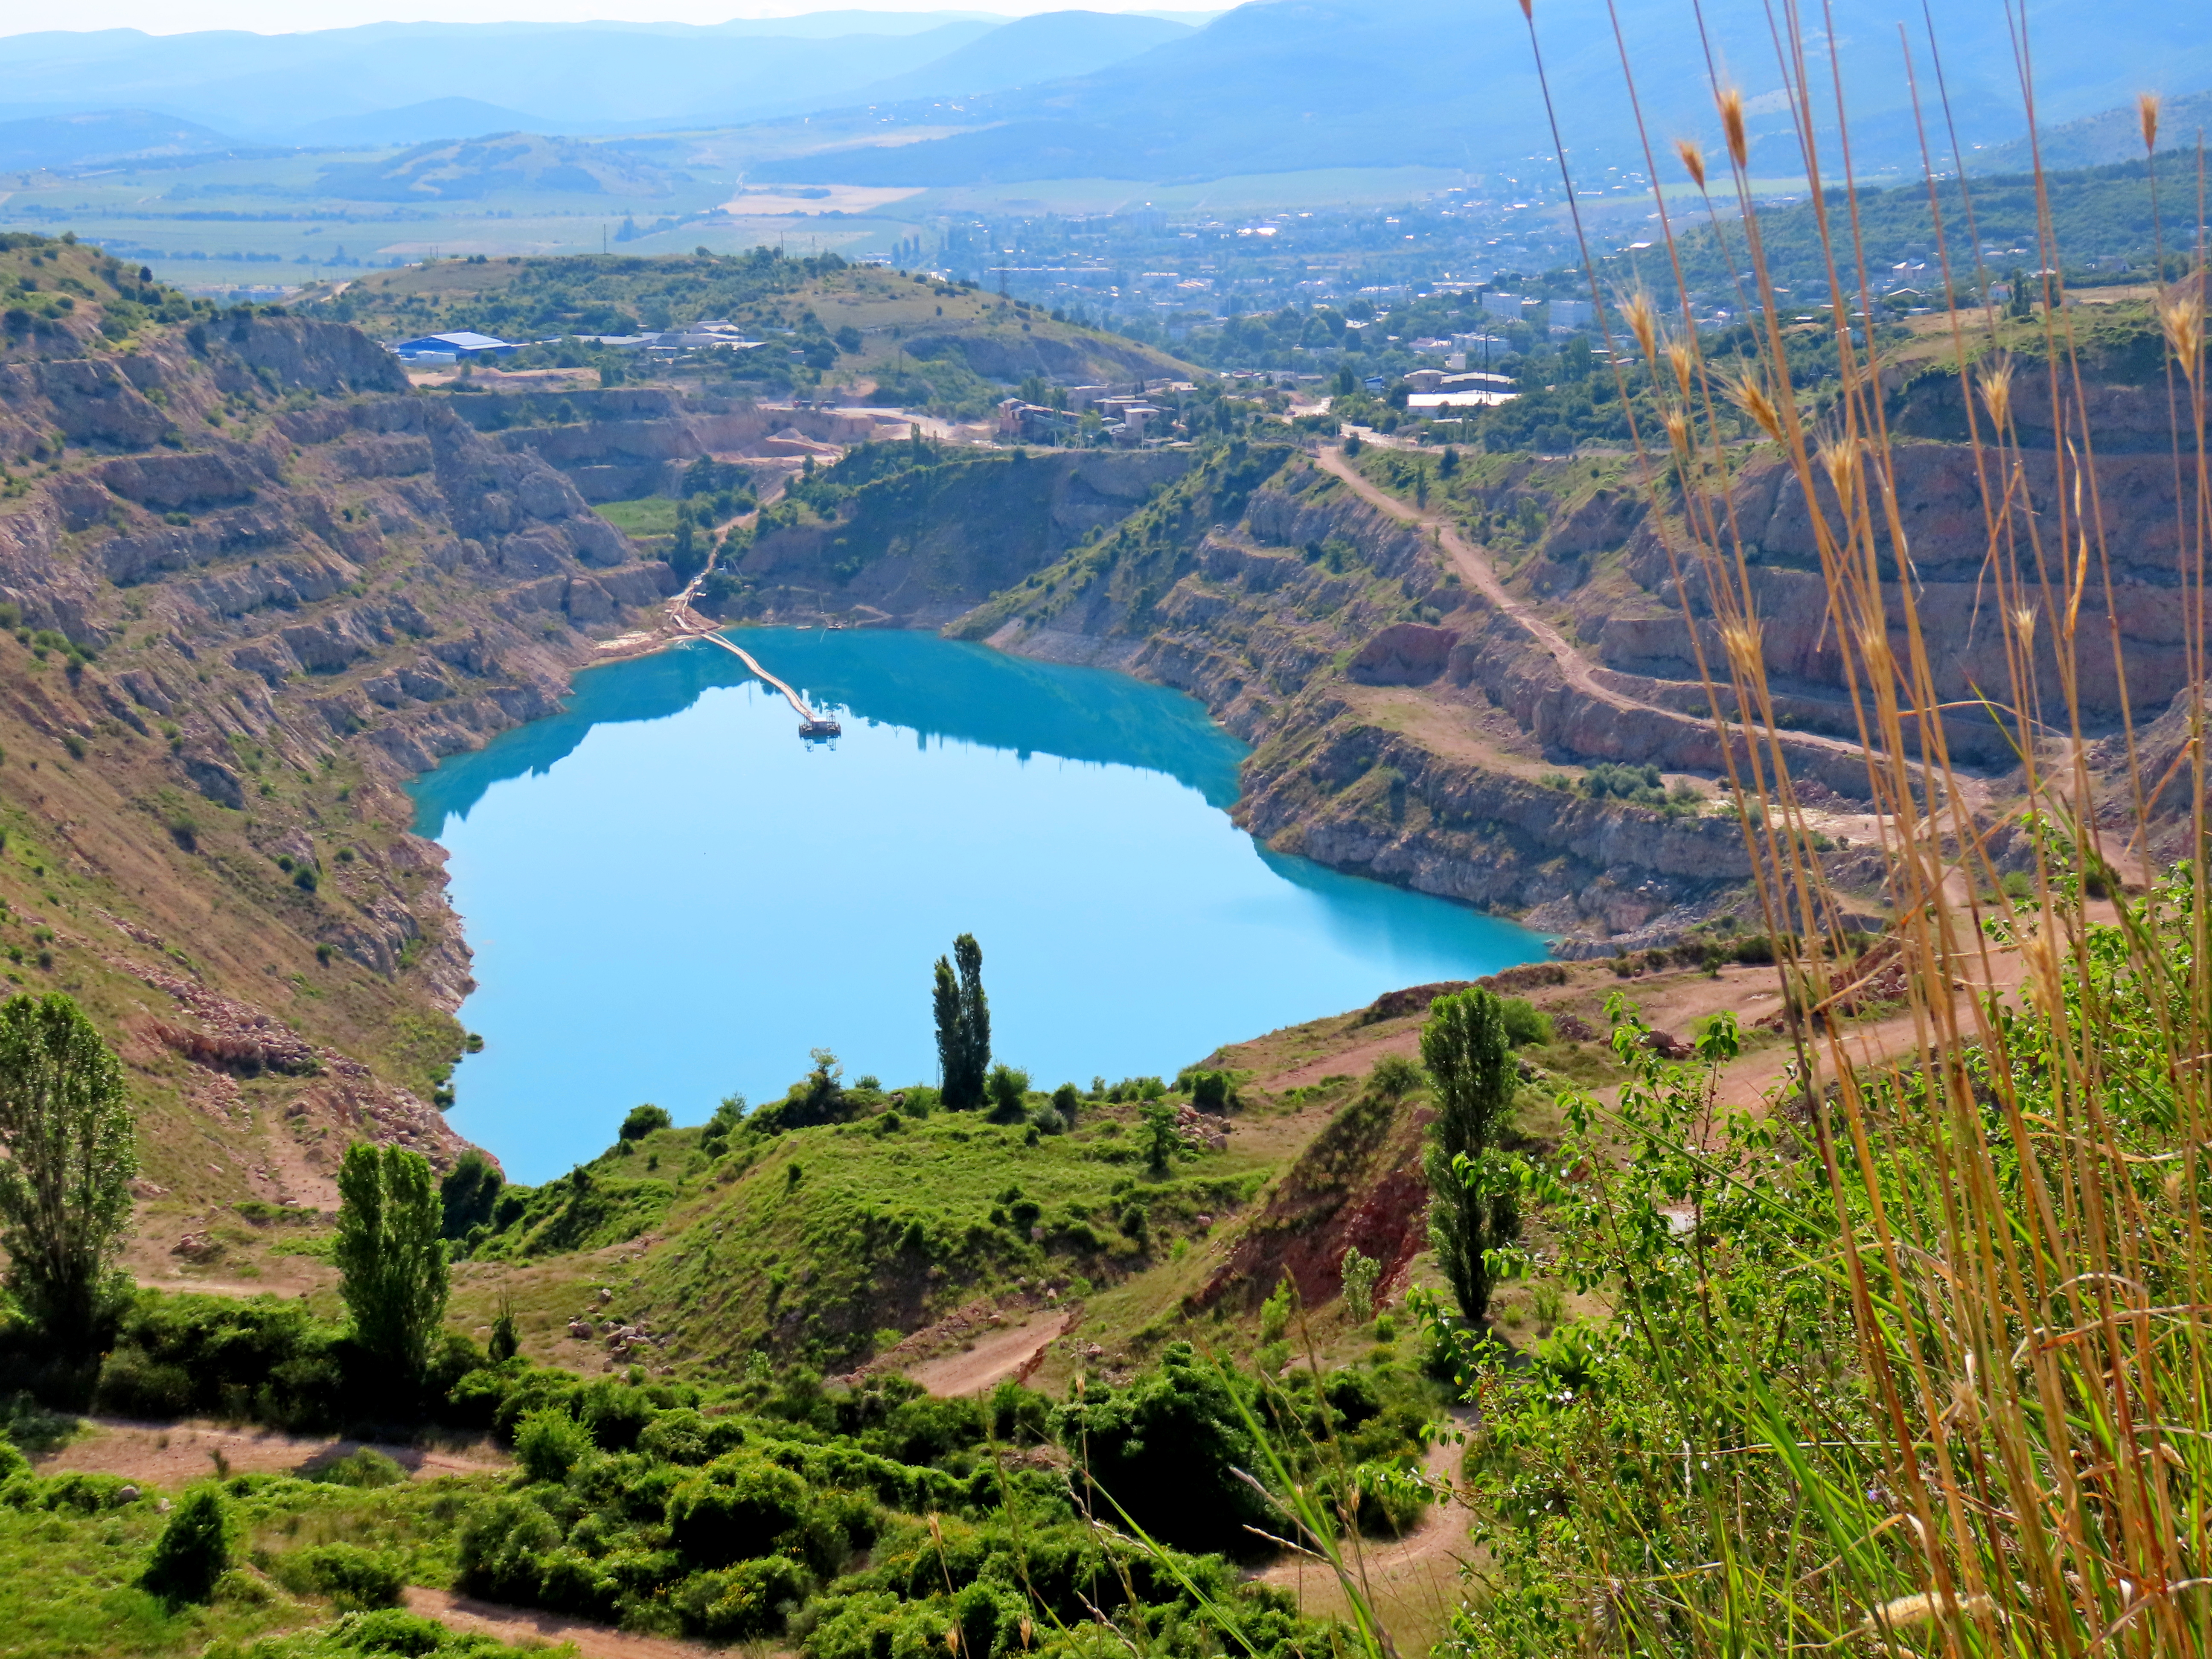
1290	84
65	141
384	78
1272	86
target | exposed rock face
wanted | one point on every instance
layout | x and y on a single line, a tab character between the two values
926	546
1404	654
300	582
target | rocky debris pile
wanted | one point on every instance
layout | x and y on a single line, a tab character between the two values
1573	1028
625	1342
235	1037
1208	1135
197	1247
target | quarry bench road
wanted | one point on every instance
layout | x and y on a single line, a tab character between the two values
1474	566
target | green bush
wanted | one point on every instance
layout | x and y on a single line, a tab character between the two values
644	1121
470	1193
356	1579
549	1443
387	1631
193	1551
614	1412
366	1468
743	1602
132	1385
256	1358
1006	1086
1166	1448
501	1544
733	1510
1525	1023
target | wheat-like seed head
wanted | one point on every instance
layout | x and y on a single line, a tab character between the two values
1643	322
1678	432
1841	458
1731	102
2182	318
1996	381
1874	646
1693	159
2023	622
2147	111
1679	359
1529	9
1748	395
1740	640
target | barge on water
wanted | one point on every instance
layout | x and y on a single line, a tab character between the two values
821	726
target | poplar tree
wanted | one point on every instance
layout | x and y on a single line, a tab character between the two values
964	1023
1469	1061
65	1182
390	1257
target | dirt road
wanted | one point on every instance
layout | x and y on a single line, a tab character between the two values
992	1360
1412	1582
528	1627
173	1454
1474	568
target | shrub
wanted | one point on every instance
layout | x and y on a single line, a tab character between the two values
133	1385
356	1579
1065	1099
499	1546
193	1550
1392	1076
614	1412
741	1603
1006	1086
733	1510
469	1193
549	1443
1167	1449
1360	1272
367	1468
1212	1091
1525	1023
644	1121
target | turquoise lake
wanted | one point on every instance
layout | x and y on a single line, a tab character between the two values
672	898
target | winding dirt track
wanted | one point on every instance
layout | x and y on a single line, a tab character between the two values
531	1626
1412	1582
1474	566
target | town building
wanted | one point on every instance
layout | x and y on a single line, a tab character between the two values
449	347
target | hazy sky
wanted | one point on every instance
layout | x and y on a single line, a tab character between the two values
284	16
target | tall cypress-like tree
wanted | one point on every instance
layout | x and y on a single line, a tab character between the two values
1470	1066
964	1023
974	1009
390	1257
951	1051
65	1182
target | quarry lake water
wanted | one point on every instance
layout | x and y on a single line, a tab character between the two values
670	897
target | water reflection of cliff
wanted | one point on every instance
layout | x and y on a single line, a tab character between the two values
935	688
